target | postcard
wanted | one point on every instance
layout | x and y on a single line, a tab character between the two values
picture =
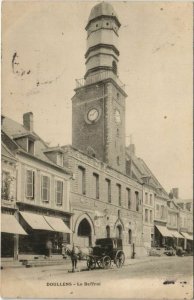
96	150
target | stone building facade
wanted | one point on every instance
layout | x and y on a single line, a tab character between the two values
40	189
104	202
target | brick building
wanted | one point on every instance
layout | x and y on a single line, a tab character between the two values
105	201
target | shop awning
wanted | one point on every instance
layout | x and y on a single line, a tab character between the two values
9	224
187	236
57	224
164	231
36	221
176	234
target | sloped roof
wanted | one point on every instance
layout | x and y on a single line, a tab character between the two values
140	169
13	129
6	153
102	9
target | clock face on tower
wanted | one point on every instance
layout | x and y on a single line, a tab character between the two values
93	115
117	116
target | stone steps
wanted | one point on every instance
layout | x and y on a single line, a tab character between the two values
44	262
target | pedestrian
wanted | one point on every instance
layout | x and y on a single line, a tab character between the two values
73	259
48	248
64	250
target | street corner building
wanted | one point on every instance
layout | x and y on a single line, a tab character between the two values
35	193
97	187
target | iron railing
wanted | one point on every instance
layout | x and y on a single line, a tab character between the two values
99	77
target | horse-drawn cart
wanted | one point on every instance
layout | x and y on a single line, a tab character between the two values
107	250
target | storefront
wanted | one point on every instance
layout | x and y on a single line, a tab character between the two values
44	232
188	242
10	230
163	236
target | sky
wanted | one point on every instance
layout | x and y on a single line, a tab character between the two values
43	48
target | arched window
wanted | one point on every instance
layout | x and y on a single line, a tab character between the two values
107	231
130	236
119	232
114	67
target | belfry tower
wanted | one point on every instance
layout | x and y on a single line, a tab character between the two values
98	106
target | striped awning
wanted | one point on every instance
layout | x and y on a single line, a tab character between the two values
187	236
36	221
164	231
57	224
176	234
9	224
42	222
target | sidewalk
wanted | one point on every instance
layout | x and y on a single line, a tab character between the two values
82	264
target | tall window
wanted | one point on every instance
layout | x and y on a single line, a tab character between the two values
130	236
128	198
45	186
146	198
151	216
96	185
81	180
30	184
114	67
119	232
108	189
162	212
59	192
119	193
137	200
151	202
107	231
146	215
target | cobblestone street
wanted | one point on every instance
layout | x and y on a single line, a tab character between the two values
153	277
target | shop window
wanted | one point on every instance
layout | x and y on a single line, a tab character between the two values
119	193
59	192
128	191
81	180
96	185
108	189
108	231
129	236
45	187
30	176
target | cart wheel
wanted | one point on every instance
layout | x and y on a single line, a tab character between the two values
119	259
106	262
100	263
91	263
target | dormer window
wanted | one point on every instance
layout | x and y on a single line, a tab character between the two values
30	148
60	159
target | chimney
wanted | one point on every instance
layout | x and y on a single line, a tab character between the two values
175	192
28	121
